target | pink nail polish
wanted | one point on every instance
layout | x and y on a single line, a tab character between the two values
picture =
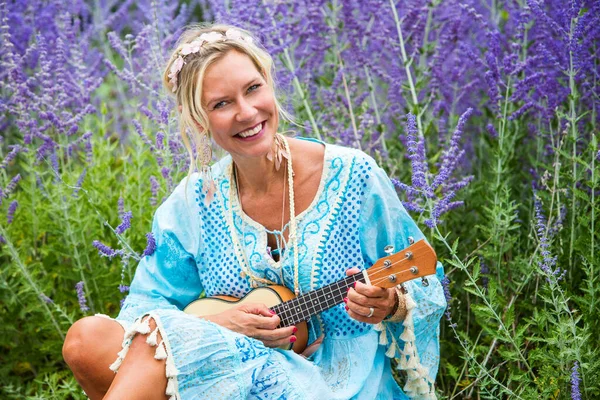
355	284
295	330
272	312
292	339
346	308
345	300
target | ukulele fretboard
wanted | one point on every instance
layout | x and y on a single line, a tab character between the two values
304	306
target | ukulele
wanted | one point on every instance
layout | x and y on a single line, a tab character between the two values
416	261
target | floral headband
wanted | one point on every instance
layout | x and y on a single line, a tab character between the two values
195	45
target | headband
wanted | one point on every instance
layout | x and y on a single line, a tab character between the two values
195	45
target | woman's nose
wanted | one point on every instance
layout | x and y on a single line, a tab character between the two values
246	111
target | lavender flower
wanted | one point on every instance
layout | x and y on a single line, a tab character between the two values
446	285
79	182
11	211
575	381
151	245
104	250
12	185
81	297
46	299
154	186
123	288
125	222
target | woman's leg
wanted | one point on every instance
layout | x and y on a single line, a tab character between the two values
91	346
140	376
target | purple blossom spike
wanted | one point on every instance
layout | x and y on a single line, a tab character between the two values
81	297
79	182
46	299
575	381
11	211
125	222
121	206
446	285
123	288
12	185
151	246
154	186
104	250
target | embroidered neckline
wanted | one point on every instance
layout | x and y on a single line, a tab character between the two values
263	238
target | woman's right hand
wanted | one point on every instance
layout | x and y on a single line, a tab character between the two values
256	321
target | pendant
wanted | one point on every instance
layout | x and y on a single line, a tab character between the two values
243	275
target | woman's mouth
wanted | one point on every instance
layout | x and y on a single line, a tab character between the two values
252	133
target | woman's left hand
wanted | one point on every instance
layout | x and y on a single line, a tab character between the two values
362	298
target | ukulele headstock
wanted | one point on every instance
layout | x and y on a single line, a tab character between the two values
416	261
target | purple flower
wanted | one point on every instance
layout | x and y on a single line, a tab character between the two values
11	211
79	182
81	297
46	299
575	381
446	285
12	185
123	288
154	186
125	222
151	245
104	250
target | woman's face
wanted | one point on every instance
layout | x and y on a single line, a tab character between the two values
240	106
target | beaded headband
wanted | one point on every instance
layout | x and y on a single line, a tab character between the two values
195	45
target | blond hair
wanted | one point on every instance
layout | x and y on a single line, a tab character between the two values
188	91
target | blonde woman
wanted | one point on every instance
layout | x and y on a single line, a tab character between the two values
276	211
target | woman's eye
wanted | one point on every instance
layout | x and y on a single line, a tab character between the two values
218	105
254	87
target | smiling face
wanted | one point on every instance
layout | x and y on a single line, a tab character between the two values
241	110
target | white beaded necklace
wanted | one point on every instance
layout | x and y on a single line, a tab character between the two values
292	238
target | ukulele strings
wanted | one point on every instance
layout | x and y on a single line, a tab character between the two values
383	270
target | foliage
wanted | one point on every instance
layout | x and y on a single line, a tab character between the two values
485	115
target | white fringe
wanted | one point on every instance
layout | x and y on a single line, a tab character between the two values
142	326
151	340
418	383
160	353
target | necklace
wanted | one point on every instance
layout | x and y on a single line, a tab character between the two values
292	237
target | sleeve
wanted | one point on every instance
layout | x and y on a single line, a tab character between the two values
383	221
168	278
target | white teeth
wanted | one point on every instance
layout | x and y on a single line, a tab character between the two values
251	132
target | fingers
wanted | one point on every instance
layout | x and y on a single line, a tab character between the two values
363	298
276	337
352	271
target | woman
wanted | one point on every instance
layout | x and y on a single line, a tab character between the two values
296	212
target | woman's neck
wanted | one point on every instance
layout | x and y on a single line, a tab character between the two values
258	176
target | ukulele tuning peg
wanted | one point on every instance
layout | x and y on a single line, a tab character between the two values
389	249
411	240
403	288
424	282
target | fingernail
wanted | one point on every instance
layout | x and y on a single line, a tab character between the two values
345	300
355	284
349	289
292	339
272	312
295	330
346	308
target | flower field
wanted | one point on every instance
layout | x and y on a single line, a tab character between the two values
485	114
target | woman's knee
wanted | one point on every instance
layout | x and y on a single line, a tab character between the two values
89	339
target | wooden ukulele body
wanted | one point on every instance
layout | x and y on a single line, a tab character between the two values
269	296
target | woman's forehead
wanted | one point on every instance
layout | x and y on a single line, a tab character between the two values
232	71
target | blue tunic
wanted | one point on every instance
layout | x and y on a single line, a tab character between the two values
354	215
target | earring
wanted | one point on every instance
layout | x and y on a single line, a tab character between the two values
278	152
205	157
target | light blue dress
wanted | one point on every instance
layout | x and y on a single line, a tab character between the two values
354	215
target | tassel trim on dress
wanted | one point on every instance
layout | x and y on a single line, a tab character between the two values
162	352
418	383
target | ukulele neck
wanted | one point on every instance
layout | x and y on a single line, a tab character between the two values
305	306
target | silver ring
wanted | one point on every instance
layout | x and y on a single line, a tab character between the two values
371	312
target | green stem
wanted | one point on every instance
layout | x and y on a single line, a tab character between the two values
29	279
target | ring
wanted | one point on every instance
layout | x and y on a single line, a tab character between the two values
371	312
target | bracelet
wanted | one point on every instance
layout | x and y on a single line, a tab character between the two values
399	312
